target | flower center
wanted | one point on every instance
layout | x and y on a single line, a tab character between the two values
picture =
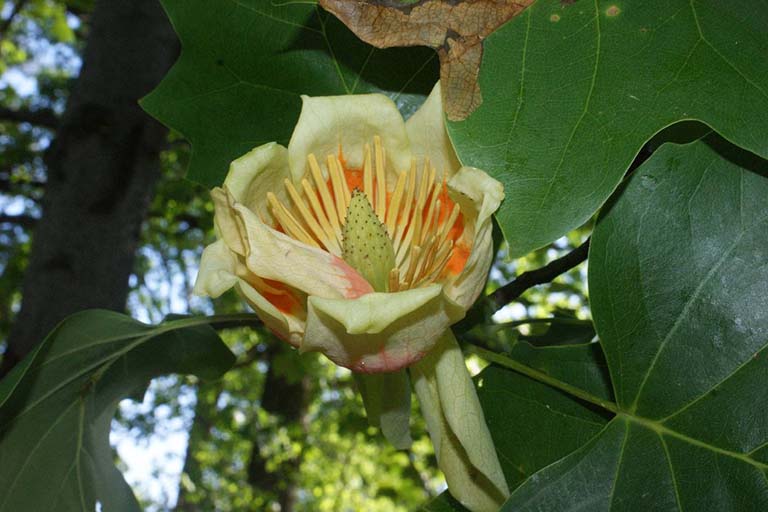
422	223
366	247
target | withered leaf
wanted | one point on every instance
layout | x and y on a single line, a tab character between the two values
455	28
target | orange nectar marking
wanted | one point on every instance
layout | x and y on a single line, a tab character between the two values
279	295
422	221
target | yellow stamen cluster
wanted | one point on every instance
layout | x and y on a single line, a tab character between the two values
411	213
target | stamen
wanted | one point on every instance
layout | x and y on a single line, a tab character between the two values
338	193
394	204
344	186
419	264
412	266
368	173
443	255
325	194
289	222
432	206
308	218
405	217
381	179
394	280
417	218
321	217
430	251
448	225
414	229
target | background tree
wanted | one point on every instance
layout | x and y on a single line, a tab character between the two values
100	172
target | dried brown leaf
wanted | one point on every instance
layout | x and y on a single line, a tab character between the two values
455	28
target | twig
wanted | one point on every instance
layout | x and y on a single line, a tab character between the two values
510	291
6	23
44	117
25	221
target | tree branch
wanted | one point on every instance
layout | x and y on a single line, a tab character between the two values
510	291
6	23
25	221
44	117
11	187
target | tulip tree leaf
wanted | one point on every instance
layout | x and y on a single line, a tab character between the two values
572	91
57	406
677	278
245	63
454	29
532	424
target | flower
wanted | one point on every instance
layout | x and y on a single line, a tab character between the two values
382	303
365	240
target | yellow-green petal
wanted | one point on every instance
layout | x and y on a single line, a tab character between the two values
379	332
288	327
387	401
348	122
259	171
276	256
217	272
463	445
479	197
428	136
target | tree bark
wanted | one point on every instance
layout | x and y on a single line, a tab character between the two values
289	401
199	433
102	168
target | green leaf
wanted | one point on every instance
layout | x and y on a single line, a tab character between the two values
677	275
572	90
534	425
443	503
562	332
56	407
245	63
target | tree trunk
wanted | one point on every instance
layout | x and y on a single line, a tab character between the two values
102	168
288	399
199	433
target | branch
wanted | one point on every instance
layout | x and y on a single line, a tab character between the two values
8	187
25	221
44	117
6	23
510	291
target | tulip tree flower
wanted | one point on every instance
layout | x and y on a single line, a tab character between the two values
366	240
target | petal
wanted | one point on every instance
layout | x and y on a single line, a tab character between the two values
428	136
217	271
273	255
379	332
227	226
479	196
330	123
456	424
387	400
257	172
286	326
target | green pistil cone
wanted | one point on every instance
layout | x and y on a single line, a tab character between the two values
367	247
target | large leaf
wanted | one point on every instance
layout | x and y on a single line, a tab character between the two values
245	63
678	279
572	90
57	406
